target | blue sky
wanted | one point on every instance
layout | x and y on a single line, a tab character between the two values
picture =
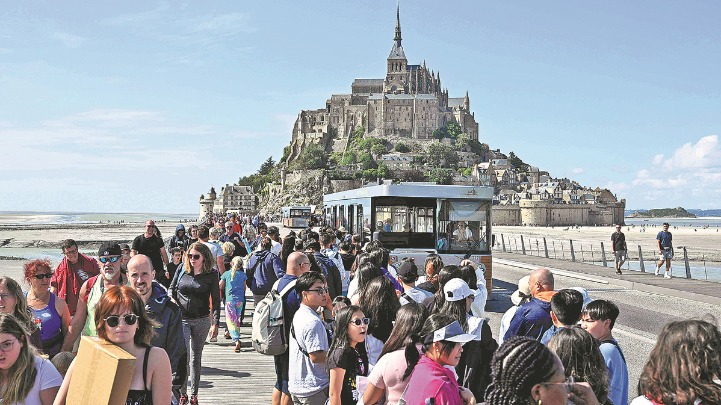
141	106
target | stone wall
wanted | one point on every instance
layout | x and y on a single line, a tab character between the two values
506	215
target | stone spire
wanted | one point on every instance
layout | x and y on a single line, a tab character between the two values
467	102
398	38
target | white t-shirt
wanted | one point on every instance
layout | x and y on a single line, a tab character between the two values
216	251
47	377
306	378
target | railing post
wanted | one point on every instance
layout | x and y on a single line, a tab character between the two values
685	259
545	247
523	245
573	254
603	256
640	259
503	242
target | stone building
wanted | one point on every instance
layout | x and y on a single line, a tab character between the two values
409	103
238	199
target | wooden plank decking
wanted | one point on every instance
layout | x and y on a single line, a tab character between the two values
236	378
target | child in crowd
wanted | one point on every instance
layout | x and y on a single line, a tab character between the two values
233	285
177	256
62	361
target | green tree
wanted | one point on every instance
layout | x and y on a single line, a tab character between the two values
367	161
383	171
401	147
440	155
312	157
463	142
267	166
349	158
453	130
441	176
378	149
413	175
517	162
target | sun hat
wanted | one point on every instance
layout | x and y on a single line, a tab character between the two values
586	298
456	289
523	291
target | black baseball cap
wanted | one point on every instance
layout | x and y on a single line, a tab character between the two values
407	268
109	249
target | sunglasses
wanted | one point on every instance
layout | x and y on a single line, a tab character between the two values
358	322
114	320
194	257
42	276
111	259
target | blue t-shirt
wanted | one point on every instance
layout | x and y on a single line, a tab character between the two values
617	373
235	288
665	238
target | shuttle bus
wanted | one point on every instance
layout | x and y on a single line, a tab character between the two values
296	217
416	219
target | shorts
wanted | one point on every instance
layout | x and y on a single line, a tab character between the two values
282	363
620	255
666	254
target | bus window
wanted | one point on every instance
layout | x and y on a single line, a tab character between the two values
461	226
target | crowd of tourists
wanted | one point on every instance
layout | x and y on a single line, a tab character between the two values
356	328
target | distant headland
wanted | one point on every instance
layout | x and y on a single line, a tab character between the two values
678	212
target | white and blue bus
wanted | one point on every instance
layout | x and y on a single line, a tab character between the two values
415	219
296	216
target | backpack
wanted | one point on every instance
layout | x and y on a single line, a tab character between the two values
268	334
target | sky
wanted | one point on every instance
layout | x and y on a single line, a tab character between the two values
141	106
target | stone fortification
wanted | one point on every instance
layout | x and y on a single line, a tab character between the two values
544	213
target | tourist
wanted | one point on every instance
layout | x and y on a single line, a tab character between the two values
432	266
121	320
124	256
276	242
215	250
518	298
407	276
179	239
298	263
228	248
62	362
582	360
193	237
566	306
474	367
326	244
232	283
347	358
664	240
387	375
381	257
355	284
380	303
231	236
196	290
49	312
91	291
620	250
526	372
264	268
13	302
249	233
447	273
262	233
160	308
176	260
684	367
474	275
330	271
287	247
533	318
151	244
71	273
598	318
27	378
429	379
308	379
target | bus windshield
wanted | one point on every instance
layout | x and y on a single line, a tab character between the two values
462	226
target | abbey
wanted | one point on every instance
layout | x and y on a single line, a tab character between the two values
409	103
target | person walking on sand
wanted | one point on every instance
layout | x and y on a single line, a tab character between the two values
665	250
618	244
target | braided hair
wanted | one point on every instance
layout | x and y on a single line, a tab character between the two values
518	365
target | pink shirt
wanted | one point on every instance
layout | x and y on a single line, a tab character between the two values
388	373
431	380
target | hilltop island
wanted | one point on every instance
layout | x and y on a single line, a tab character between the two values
678	212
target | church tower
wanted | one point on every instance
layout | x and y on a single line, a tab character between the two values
397	75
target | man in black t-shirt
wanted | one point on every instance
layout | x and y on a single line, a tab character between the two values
151	245
618	244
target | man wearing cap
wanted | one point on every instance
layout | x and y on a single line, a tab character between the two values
519	297
159	306
231	236
407	276
151	245
566	306
533	318
110	275
71	273
618	244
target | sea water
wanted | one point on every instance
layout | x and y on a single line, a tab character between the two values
18	218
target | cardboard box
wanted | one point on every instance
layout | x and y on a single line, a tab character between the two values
102	374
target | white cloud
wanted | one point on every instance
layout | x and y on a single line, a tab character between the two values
690	177
577	170
68	40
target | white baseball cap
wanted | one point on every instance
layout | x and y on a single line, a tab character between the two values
452	332
456	289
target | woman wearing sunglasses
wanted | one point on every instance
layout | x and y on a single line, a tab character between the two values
26	377
13	302
193	288
120	318
347	359
50	312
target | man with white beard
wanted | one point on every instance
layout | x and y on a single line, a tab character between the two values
110	275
